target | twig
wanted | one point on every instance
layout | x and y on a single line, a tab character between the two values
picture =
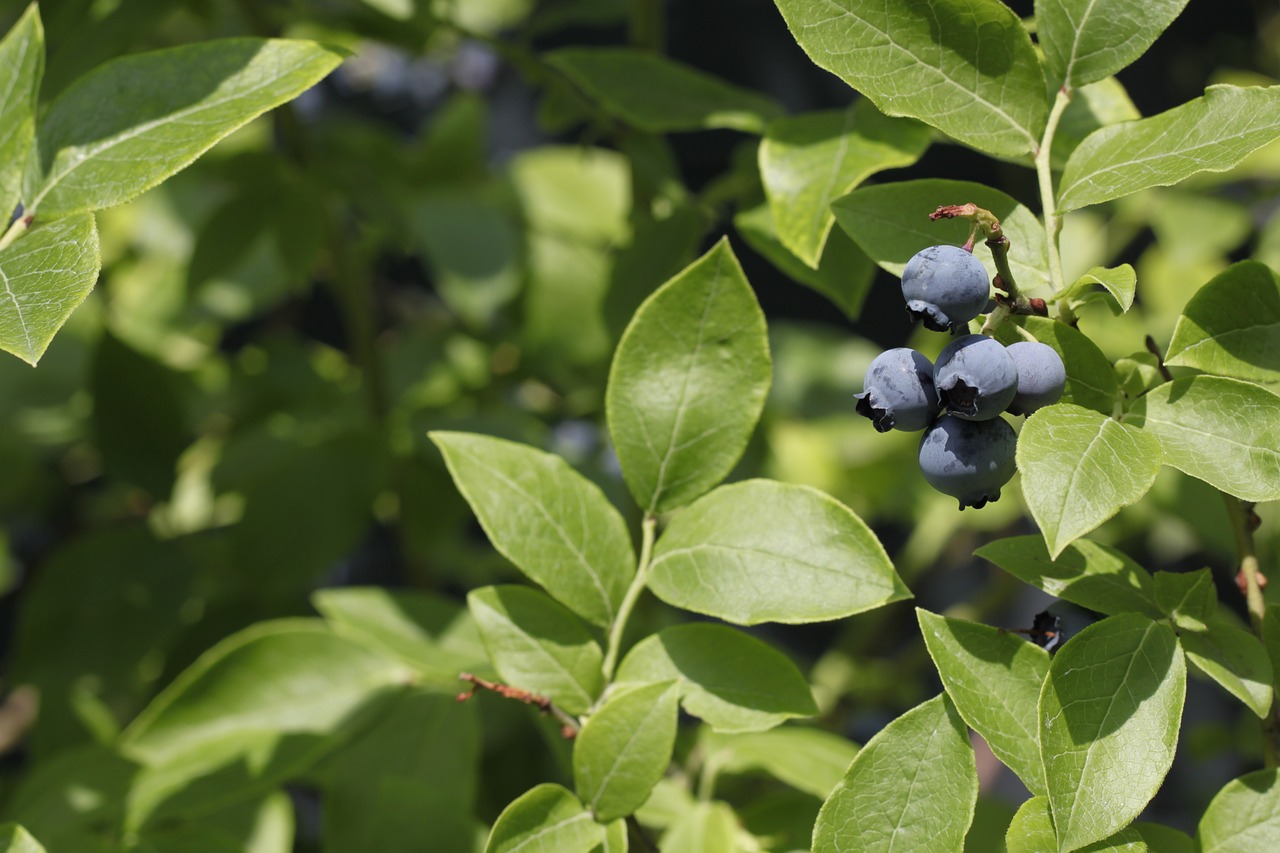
569	726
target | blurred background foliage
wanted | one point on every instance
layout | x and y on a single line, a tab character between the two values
451	233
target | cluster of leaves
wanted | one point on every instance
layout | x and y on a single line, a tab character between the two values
213	484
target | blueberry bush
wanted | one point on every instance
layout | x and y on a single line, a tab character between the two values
448	428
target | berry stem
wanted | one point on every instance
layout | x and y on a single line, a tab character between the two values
1008	298
1048	199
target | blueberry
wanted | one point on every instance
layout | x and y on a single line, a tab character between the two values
1041	376
898	392
945	287
969	460
976	378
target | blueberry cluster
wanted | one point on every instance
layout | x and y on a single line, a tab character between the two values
967	450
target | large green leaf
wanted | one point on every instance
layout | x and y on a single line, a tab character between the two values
764	551
1109	717
1079	468
553	523
21	67
809	160
134	121
890	222
15	839
994	678
659	95
1234	658
912	788
1231	327
808	759
545	818
688	382
1031	831
731	680
1087	573
1210	134
624	748
1086	40
966	67
1091	379
45	274
1244	815
1223	431
286	676
539	645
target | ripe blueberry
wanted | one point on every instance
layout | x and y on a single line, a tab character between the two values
975	377
945	287
898	392
1041	376
969	460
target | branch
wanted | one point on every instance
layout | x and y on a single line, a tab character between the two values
569	726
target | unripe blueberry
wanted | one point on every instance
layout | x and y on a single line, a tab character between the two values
975	377
898	392
945	287
969	460
1041	376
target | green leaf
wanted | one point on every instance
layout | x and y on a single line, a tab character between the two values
1164	839
764	551
709	827
261	825
1231	327
539	645
1087	40
624	749
1244	815
688	382
1209	134
134	121
45	274
291	675
1235	659
890	222
1091	380
966	67
807	759
1079	468
21	68
1109	717
1120	282
659	95
1097	105
545	818
1223	431
913	787
994	678
731	680
15	839
844	272
1086	573
807	161
553	523
1188	597
1031	831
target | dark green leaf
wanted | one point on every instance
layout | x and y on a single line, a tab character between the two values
731	680
1271	638
659	95
1079	468
809	160
553	523
966	67
1244	815
624	748
1231	327
261	825
912	788
1164	839
1189	597
1087	40
21	67
1097	105
15	839
688	382
134	121
547	817
994	678
1109	718
1223	431
539	645
807	759
46	273
764	551
1234	658
1087	573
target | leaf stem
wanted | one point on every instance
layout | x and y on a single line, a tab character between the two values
1048	201
647	528
22	223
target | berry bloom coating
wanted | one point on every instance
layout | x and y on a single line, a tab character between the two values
898	392
975	377
945	287
969	460
1041	376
